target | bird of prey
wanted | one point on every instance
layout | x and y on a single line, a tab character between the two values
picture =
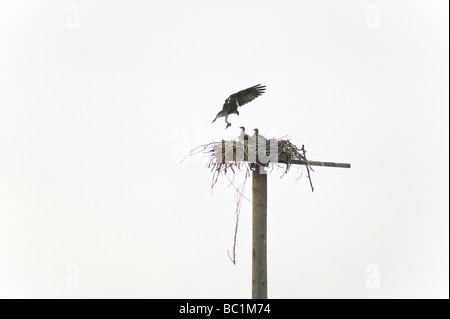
243	136
257	141
258	136
243	141
238	99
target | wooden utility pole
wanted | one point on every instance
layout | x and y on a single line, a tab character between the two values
259	260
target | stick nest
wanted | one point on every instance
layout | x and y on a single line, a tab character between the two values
251	154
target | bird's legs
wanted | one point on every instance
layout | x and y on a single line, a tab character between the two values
226	120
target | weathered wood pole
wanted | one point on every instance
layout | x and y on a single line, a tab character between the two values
259	255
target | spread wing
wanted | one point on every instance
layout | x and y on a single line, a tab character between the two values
247	95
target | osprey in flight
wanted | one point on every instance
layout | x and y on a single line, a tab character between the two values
238	99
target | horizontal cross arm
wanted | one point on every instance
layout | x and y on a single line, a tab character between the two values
317	163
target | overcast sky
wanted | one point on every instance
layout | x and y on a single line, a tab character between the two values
101	100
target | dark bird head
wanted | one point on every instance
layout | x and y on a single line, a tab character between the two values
256	131
220	114
242	128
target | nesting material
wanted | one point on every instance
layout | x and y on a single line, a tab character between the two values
254	153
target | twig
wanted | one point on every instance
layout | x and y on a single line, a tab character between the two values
307	168
237	212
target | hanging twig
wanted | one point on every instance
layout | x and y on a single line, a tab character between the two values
307	168
240	196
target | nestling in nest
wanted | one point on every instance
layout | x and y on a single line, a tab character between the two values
252	153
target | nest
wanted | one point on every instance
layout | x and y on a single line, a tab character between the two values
254	153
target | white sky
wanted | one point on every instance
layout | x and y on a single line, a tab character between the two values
100	100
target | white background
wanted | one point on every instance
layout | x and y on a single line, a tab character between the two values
101	100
